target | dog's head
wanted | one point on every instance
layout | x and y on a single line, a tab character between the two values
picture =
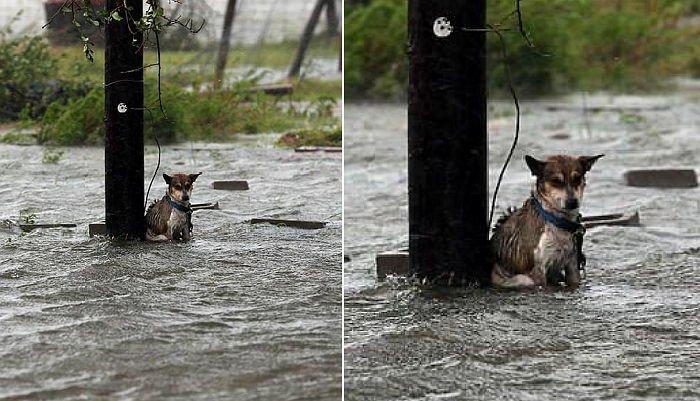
561	180
180	186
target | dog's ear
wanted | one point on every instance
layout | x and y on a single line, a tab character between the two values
167	178
588	161
536	166
193	177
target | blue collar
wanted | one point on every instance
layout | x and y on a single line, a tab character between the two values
553	219
178	206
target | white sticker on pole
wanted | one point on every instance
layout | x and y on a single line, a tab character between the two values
442	27
121	107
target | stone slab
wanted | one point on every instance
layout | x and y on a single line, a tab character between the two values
306	225
232	185
662	178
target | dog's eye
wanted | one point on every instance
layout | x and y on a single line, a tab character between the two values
557	182
576	180
178	187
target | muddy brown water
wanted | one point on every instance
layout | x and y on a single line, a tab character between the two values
242	312
631	332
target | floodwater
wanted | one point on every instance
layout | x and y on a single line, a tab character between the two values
631	332
244	312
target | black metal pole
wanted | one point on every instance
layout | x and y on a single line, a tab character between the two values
305	40
124	124
331	18
224	44
447	141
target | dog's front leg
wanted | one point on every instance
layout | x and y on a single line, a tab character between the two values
539	275
555	276
186	235
572	274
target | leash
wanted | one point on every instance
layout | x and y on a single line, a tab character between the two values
574	227
178	206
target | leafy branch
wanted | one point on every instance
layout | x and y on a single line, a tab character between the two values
153	21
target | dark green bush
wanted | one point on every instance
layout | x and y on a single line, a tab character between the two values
23	63
28	84
80	121
375	49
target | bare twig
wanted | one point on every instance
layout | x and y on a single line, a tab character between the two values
158	63
123	80
521	26
60	9
140	68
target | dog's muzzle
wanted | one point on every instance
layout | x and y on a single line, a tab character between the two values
571	204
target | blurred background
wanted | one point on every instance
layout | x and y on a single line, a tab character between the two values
45	72
617	45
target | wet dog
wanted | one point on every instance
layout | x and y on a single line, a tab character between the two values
540	243
170	218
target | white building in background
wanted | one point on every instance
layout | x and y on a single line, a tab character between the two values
256	20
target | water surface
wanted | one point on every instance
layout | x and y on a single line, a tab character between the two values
631	332
241	312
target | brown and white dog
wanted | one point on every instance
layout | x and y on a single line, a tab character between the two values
540	243
170	218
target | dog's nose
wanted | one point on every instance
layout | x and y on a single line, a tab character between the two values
185	198
571	204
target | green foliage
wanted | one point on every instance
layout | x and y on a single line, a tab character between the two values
207	116
86	16
51	155
622	45
27	79
325	136
375	49
27	216
76	122
55	91
23	63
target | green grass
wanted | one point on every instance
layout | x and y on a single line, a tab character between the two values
213	116
326	136
187	64
192	69
312	89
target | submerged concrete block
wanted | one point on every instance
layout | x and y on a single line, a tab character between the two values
662	178
310	149
30	227
274	89
392	263
232	185
99	228
306	225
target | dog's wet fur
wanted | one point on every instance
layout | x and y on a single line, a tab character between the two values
163	221
528	251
